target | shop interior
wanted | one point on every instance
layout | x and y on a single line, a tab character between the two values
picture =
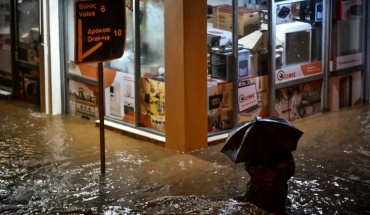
294	59
301	63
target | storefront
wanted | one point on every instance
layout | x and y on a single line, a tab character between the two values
19	50
177	84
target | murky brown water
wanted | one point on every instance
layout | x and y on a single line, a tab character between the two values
51	164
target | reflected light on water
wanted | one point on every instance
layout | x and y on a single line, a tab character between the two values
50	165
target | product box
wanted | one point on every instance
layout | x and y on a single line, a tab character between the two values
349	9
221	65
225	36
152	103
345	90
248	20
128	97
264	16
284	13
298	101
220	105
247	95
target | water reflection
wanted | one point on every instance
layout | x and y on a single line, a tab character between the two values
51	165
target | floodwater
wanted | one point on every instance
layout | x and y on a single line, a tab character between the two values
51	165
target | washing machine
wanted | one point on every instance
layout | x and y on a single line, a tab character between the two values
31	89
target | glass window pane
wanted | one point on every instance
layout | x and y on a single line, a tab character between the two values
298	39
29	31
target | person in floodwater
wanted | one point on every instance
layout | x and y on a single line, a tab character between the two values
269	170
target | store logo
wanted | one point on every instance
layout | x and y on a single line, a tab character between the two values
281	75
243	98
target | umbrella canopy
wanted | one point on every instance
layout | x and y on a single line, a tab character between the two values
261	141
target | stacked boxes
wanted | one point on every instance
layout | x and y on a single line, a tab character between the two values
248	20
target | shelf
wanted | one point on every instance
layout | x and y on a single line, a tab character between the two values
347	70
299	81
29	65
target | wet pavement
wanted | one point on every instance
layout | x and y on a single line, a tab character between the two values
51	165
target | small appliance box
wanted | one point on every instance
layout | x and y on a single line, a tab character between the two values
220	104
264	14
128	93
349	9
225	36
248	20
284	13
345	91
221	65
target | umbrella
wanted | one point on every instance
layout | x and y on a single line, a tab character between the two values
261	141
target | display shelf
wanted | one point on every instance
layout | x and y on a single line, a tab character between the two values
29	65
347	70
304	54
299	81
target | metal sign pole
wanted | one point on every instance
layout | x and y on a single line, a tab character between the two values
101	116
100	35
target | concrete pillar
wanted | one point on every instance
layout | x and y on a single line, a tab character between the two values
186	74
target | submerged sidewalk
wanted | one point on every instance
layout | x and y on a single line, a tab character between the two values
51	164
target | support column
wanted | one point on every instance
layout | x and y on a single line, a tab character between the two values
186	74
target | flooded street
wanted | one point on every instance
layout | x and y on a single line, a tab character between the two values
51	165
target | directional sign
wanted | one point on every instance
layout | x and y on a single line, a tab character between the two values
100	30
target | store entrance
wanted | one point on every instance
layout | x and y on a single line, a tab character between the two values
19	49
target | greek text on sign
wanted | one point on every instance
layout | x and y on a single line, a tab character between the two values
100	30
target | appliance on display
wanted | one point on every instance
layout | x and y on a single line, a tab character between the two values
311	11
225	36
128	107
264	16
215	101
221	64
349	9
129	91
345	92
284	13
212	41
346	37
5	81
295	39
4	18
5	71
86	111
318	12
31	88
114	100
243	69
